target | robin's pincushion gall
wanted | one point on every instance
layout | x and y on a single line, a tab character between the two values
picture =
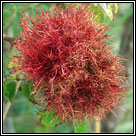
73	70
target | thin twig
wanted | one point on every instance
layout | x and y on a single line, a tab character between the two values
6	110
11	40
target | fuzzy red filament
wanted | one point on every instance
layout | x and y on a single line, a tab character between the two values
72	68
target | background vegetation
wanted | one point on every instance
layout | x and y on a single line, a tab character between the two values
22	114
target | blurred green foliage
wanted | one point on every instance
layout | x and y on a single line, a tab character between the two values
99	13
27	90
47	119
125	124
82	127
10	90
22	111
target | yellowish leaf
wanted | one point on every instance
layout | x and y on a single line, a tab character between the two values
12	64
110	9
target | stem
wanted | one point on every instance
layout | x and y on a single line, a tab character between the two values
6	110
98	125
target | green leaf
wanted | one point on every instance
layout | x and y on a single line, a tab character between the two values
26	90
98	13
4	29
48	120
81	127
49	4
46	6
73	4
110	9
10	90
4	91
5	64
16	27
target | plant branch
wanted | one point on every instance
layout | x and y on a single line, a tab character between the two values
6	110
11	40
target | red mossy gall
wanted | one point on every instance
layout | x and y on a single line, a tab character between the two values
65	54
